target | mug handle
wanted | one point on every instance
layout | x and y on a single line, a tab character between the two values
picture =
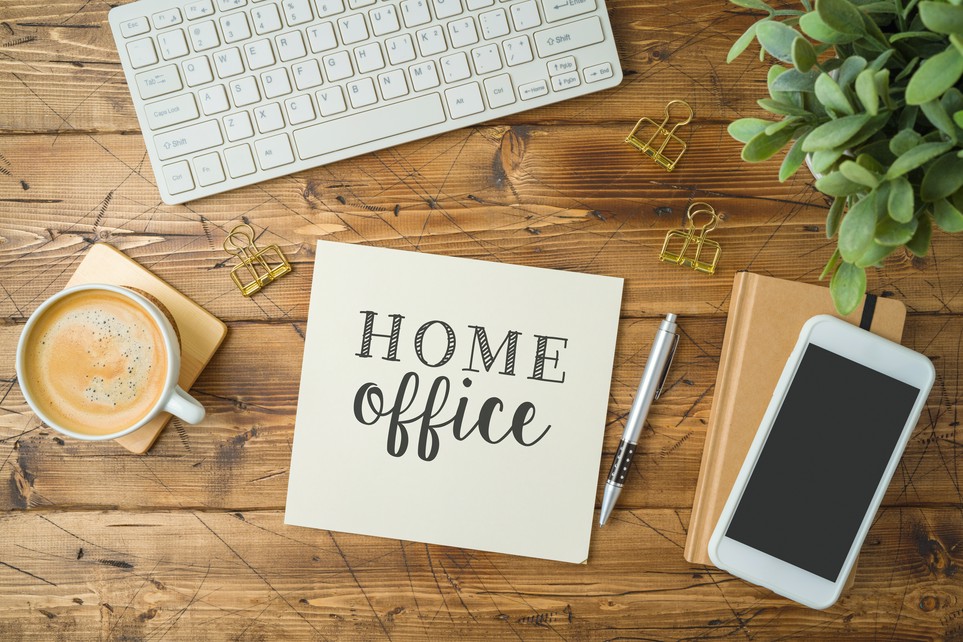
184	406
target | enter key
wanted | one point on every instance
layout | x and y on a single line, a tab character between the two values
556	10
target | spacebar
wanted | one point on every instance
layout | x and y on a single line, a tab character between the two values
374	124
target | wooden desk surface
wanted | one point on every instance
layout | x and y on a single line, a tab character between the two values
188	541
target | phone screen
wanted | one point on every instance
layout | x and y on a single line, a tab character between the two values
822	462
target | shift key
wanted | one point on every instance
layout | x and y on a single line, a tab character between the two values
567	37
187	140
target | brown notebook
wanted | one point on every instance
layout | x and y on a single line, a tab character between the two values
765	317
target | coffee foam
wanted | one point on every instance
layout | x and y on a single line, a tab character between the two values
96	362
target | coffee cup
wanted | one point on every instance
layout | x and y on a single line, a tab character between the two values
99	361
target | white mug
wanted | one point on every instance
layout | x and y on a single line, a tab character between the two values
172	399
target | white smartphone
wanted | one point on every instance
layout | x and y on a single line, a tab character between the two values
817	470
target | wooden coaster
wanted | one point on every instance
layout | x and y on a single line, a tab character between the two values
201	333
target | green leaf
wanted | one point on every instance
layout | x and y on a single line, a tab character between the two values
803	55
881	78
829	93
874	255
830	265
920	243
823	160
947	217
745	128
958	119
942	178
794	158
778	126
742	43
776	38
762	146
793	81
781	108
834	217
922	35
836	133
848	71
814	27
857	229
870	163
835	184
880	61
858	174
866	91
935	75
891	233
848	285
941	17
904	141
900	204
934	112
916	157
841	15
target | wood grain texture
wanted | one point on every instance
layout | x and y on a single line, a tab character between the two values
188	542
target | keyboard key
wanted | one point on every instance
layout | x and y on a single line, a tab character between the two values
415	13
525	15
329	7
171	111
268	118
431	41
141	53
197	71
172	44
178	177
200	9
464	100
392	84
274	151
204	35
244	90
494	24
566	81
400	49
213	100
595	73
361	93
240	161
296	12
168	18
358	4
208	169
228	63
235	27
447	8
307	74
561	66
321	37
479	4
290	46
300	109
568	37
275	83
134	27
238	126
455	67
556	10
227	5
330	101
352	28
424	75
337	66
375	124
499	91
369	58
259	54
517	51
384	20
486	59
187	140
462	32
266	19
532	90
157	82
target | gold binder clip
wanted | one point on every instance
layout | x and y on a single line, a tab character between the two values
690	236
660	143
257	267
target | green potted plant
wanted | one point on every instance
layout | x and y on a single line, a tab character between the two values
869	93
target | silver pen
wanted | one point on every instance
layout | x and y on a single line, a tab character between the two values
653	381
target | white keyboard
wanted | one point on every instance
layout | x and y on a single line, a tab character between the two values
234	92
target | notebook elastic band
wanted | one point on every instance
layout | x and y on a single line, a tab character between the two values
869	308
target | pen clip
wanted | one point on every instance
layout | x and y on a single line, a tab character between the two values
668	364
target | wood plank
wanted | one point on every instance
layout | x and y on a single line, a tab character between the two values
238	458
198	575
571	198
60	71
